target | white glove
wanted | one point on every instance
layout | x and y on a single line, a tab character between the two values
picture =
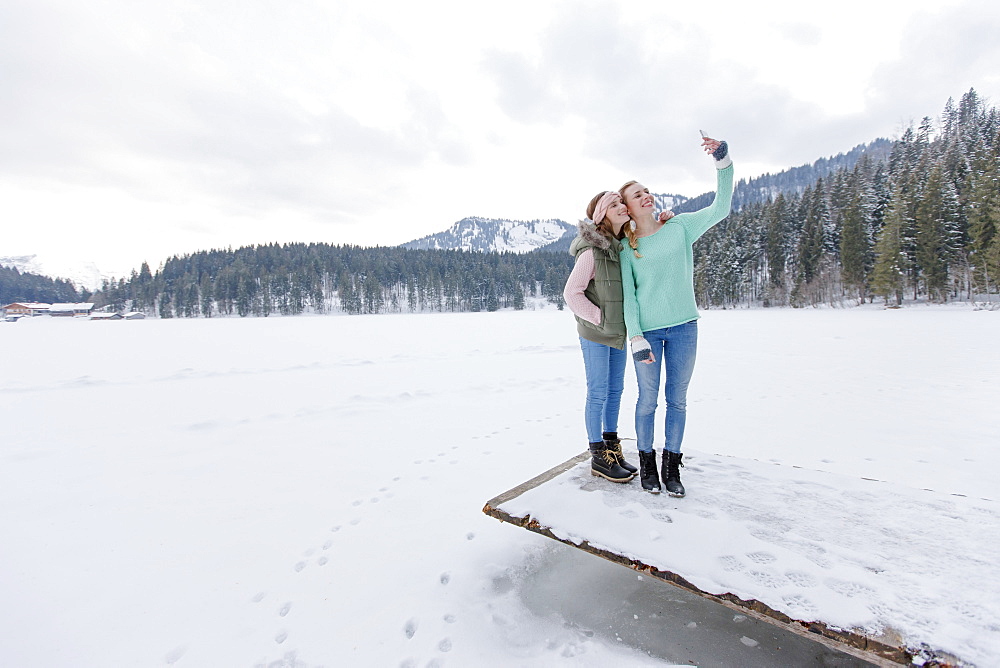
641	351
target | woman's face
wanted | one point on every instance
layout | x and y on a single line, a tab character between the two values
639	201
617	216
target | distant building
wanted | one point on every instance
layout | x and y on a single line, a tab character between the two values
135	315
106	316
21	309
71	310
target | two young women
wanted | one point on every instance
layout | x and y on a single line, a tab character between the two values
643	294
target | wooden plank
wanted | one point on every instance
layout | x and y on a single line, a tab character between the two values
881	652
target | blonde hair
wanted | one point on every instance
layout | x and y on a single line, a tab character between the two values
627	229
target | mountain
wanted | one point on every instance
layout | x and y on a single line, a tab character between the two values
792	181
83	274
485	234
495	235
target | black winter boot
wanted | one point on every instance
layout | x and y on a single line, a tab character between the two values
614	444
671	472
604	464
647	472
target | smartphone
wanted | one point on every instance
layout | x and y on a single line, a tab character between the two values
703	135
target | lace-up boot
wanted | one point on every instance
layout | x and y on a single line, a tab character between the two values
647	472
604	464
672	473
614	444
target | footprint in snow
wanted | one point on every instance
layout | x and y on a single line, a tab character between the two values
449	618
445	578
799	605
259	596
281	637
731	563
410	628
299	566
445	645
322	561
174	655
770	580
327	545
850	589
761	557
335	529
799	579
285	609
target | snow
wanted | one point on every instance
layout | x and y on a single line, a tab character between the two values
82	273
495	235
815	546
308	491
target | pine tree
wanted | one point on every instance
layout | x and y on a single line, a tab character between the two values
889	273
932	254
776	247
984	221
854	247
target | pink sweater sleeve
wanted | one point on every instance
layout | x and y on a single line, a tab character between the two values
579	278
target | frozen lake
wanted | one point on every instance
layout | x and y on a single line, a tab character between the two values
308	491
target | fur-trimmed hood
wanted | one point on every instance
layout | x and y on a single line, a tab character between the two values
589	236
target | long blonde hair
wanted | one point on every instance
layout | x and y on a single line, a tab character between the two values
628	229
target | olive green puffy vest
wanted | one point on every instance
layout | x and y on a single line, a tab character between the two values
605	291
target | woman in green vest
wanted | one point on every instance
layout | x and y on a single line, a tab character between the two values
594	293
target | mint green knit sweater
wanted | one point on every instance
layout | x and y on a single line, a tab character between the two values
659	286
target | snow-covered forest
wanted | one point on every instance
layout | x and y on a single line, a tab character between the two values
920	224
915	218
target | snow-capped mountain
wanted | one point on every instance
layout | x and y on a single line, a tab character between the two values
667	202
493	234
83	274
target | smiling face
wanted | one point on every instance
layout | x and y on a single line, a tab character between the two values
608	212
617	216
638	200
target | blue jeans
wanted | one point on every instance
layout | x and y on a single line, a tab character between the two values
675	349
605	368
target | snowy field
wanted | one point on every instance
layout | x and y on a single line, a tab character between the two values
308	491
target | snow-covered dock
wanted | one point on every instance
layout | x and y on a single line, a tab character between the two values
882	569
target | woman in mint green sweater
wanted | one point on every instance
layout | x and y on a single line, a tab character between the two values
661	317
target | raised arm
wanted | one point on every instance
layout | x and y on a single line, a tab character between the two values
698	222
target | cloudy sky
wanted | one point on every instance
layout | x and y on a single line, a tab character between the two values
134	130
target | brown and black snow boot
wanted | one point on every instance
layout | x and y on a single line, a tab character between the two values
614	444
671	472
647	472
604	464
